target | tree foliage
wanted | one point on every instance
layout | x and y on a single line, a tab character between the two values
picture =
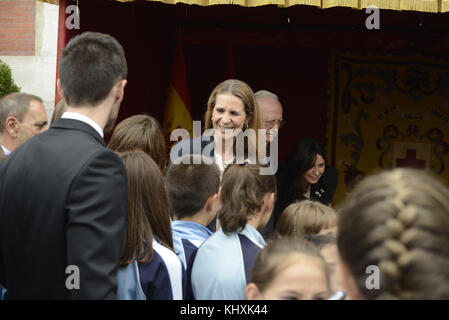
7	84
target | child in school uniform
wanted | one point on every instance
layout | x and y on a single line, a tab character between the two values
150	270
223	263
192	188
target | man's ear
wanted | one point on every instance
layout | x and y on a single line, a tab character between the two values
252	292
269	202
59	89
120	90
211	202
12	126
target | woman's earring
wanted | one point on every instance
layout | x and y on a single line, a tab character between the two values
245	126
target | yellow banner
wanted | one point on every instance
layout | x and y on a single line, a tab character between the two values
387	112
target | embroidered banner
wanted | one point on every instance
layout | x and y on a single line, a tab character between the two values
387	112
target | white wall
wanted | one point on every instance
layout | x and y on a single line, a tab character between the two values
37	74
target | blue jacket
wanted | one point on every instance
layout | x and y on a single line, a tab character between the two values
187	237
223	263
160	279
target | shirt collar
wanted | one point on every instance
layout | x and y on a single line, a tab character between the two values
253	235
5	151
85	119
189	228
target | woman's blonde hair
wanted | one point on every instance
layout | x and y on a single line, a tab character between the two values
241	90
244	92
398	221
59	110
305	217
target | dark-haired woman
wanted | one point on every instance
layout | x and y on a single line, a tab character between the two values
223	263
305	176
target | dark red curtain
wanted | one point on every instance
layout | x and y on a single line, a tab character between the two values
284	50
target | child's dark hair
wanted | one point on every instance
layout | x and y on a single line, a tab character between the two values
148	213
242	194
190	185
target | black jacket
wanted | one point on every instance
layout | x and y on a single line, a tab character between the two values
323	191
63	201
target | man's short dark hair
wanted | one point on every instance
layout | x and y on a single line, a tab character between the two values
190	185
16	105
90	65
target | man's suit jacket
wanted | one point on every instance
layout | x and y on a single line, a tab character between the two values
63	202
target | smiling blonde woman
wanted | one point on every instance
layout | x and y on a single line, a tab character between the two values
232	113
232	106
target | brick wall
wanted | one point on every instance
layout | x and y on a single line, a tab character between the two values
17	27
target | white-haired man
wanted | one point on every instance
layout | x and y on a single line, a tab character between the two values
270	111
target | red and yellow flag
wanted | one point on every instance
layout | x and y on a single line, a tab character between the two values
177	112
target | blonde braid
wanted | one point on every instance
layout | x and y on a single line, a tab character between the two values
397	225
399	221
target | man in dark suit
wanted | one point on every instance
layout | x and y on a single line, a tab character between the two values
63	194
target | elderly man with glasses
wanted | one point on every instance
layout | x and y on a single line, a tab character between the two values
270	110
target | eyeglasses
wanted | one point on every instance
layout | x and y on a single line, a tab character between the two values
271	123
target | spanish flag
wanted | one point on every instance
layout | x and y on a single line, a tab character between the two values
177	113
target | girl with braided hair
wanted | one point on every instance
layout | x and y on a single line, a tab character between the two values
397	221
